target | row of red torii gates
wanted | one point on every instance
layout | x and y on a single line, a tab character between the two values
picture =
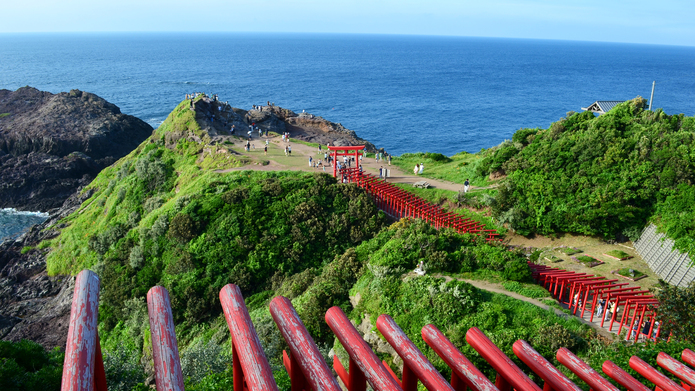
399	203
84	370
586	292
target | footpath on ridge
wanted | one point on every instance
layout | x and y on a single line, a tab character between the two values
299	161
498	288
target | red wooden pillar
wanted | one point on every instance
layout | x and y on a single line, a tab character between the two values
165	350
83	368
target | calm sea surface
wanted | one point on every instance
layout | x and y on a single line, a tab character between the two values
403	93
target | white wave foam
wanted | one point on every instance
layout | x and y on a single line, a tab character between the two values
13	211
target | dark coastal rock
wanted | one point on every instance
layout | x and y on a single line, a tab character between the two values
52	144
303	126
33	305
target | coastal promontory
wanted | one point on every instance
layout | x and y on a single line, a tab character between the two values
53	144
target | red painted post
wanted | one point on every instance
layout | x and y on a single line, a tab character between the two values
584	371
82	348
256	371
305	354
508	374
462	369
543	368
677	368
623	378
689	357
580	286
654	376
599	295
589	288
374	371
412	357
165	350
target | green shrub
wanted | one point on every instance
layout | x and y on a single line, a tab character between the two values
123	371
202	359
437	157
182	228
27	366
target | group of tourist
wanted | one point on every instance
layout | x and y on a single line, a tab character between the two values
380	156
418	168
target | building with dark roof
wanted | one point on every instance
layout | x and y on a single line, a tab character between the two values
602	106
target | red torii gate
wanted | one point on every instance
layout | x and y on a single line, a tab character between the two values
352	151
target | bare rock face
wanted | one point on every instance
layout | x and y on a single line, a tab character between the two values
33	305
217	118
52	144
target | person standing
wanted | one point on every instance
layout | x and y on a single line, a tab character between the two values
310	159
289	150
466	185
265	151
422	167
389	159
381	172
416	169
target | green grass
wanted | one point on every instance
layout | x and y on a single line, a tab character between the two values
618	254
455	169
26	249
529	290
631	273
553	258
588	261
4	114
569	250
433	195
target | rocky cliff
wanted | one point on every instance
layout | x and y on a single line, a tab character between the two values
217	118
52	144
33	305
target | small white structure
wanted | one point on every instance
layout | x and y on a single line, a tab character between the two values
602	106
420	269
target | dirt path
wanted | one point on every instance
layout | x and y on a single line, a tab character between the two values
299	161
498	288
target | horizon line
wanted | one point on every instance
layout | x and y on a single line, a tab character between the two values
125	32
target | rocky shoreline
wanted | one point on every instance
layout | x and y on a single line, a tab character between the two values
33	305
53	144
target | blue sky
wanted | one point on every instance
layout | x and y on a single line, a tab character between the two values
636	21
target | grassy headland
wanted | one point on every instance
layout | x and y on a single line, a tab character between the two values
165	215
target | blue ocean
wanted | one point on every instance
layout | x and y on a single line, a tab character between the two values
403	93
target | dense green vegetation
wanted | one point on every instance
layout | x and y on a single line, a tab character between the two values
163	216
606	175
26	366
676	306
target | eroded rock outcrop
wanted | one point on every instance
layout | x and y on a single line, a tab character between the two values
34	305
217	118
52	144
